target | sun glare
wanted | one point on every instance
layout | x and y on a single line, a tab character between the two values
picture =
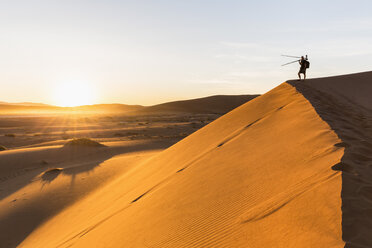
71	94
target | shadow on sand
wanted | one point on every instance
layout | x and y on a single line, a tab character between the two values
353	125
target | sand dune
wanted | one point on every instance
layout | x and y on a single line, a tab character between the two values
290	168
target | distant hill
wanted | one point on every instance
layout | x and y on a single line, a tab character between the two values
28	108
115	107
11	108
219	104
214	104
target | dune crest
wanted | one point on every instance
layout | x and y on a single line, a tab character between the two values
344	102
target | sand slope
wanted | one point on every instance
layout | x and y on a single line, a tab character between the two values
287	169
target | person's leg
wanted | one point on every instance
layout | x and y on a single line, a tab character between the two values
304	76
299	76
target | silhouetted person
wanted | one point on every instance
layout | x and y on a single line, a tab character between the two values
303	62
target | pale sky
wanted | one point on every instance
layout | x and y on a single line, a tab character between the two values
148	52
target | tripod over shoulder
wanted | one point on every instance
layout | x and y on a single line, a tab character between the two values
291	62
291	56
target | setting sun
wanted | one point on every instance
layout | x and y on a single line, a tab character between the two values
71	94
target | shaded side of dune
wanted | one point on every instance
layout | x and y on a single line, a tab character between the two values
351	119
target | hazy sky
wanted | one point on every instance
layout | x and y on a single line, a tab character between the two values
147	52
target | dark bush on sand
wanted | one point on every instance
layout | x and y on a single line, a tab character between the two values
84	142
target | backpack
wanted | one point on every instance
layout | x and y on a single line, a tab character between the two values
307	64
